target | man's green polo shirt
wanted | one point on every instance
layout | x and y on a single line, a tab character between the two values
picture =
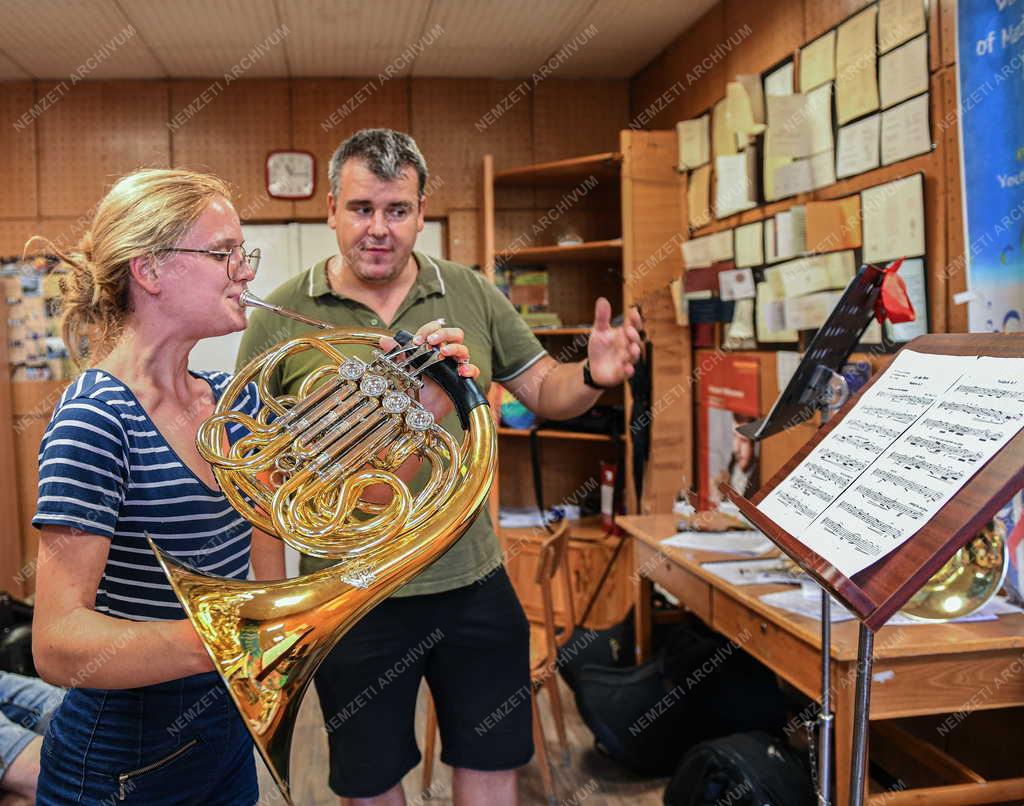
499	342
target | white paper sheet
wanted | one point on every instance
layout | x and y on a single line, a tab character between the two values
780	82
777	571
903	72
791	232
912	272
736	284
905	130
696	253
913	440
797	601
694	142
734	188
749	249
893	219
857	149
751	542
720	245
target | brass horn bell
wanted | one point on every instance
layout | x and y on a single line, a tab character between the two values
300	473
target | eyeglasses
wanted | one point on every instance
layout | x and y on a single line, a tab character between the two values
233	258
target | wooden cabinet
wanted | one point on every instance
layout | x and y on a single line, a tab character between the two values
626	207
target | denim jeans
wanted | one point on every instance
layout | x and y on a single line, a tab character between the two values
180	742
26	705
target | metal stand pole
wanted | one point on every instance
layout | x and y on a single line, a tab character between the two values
825	714
862	704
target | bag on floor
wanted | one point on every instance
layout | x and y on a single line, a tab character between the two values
16	636
745	769
700	686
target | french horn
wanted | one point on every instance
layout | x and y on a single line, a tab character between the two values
300	473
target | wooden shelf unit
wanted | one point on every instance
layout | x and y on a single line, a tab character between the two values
629	219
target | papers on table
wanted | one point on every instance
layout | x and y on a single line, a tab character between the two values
777	571
750	244
893	219
698	196
903	72
905	131
694	142
799	602
750	542
913	440
857	149
898	21
818	62
856	66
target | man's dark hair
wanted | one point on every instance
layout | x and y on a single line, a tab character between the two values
385	152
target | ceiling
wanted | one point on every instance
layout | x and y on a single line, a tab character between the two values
119	39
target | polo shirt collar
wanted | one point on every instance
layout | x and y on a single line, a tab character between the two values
428	279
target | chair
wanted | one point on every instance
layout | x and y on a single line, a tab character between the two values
545	641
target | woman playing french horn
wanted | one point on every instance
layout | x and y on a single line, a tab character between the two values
147	720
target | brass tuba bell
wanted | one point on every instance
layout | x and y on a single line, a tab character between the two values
300	473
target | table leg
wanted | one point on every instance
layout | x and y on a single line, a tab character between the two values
642	618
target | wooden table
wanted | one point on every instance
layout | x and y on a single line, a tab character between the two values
919	670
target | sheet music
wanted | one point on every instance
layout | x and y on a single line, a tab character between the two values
914	439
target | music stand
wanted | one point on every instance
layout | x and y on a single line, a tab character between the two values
877	592
807	393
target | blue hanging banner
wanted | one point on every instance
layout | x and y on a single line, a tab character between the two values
990	82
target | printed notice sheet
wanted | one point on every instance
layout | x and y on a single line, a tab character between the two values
914	439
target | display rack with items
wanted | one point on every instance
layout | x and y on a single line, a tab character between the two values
589	232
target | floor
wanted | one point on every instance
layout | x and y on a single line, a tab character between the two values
589	777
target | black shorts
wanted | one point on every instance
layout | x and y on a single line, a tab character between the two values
473	646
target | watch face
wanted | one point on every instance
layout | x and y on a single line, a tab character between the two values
291	174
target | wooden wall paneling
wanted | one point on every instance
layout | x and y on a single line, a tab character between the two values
652	233
11	554
32	404
570	469
462	237
228	129
450	128
935	32
947	24
770	33
819	16
95	133
513	229
575	117
65	233
574	287
955	269
326	111
14	232
679	67
18	150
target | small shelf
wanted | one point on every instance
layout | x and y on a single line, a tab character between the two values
601	166
547	433
560	331
592	250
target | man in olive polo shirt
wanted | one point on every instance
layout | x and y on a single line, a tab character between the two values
458	623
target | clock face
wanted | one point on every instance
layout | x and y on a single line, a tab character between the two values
291	174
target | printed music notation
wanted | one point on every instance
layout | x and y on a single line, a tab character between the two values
936	471
840	459
904	417
999	394
860	442
906	485
873	428
980	434
981	414
945	447
812	490
825	474
876	525
889	504
915	437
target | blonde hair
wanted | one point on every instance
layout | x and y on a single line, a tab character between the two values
144	214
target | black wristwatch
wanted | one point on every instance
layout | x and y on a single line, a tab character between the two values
588	379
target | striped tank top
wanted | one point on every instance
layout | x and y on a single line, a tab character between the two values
105	469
